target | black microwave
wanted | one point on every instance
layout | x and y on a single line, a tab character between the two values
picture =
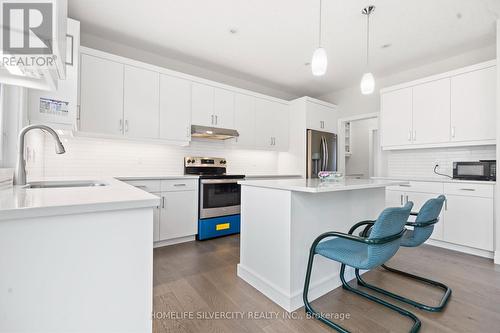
481	170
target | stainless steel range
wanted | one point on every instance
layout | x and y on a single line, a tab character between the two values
220	196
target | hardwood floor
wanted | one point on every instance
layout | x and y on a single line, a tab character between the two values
196	280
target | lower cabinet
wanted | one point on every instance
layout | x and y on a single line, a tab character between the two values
178	214
467	217
469	221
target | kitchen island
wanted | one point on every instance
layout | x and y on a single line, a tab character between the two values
76	258
281	218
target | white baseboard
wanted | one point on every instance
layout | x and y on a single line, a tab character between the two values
174	241
461	248
293	301
497	257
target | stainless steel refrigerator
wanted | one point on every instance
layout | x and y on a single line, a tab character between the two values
321	152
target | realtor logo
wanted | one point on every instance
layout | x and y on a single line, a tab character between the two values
27	28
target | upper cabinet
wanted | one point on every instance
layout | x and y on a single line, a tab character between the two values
212	106
452	109
272	125
431	112
321	116
101	96
123	98
396	117
244	119
473	105
175	108
141	108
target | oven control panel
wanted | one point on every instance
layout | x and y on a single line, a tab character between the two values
215	162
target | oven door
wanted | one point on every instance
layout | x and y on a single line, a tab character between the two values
219	197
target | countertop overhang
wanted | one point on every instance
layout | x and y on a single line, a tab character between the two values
318	186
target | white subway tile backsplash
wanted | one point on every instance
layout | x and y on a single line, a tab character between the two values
420	162
102	158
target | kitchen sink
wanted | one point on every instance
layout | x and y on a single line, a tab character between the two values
65	184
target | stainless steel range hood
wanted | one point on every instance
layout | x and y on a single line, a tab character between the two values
214	133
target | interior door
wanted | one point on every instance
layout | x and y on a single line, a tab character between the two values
101	96
431	112
396	117
141	103
175	108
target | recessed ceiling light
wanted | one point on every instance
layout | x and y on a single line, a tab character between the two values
233	31
386	45
459	15
307	64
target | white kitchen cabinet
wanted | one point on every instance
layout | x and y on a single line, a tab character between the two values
101	96
469	221
272	121
223	108
321	117
396	117
244	120
141	100
179	212
202	105
473	105
431	112
175	108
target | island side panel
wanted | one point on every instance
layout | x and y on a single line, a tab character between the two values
314	214
88	272
265	241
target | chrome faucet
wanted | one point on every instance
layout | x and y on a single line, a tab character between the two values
20	172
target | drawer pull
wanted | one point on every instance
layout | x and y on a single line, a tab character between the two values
178	185
140	186
405	185
467	189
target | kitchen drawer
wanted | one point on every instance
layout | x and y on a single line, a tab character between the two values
179	185
425	187
146	185
470	190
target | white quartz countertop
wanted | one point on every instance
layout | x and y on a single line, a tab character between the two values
437	180
318	186
271	176
17	202
156	177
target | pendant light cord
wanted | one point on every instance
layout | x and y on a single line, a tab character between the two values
367	39
320	23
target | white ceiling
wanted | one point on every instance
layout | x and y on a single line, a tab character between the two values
275	38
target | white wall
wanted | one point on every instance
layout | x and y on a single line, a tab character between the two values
257	85
352	102
358	163
497	194
108	158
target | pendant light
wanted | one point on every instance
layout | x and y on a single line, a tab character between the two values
367	84
319	60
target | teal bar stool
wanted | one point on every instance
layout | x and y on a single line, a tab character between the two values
422	230
362	253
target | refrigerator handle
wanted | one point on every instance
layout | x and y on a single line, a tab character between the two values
322	149
326	154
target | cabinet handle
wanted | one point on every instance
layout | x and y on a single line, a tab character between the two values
405	185
414	135
126	125
467	189
121	125
409	135
271	141
401	200
162	202
453	131
216	120
178	185
212	119
445	204
406	199
188	132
